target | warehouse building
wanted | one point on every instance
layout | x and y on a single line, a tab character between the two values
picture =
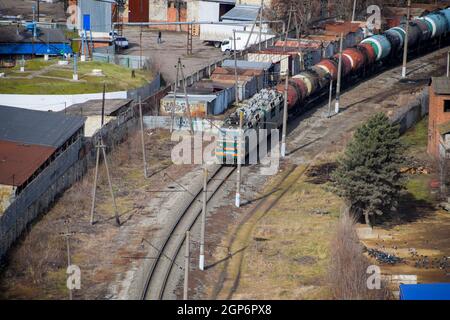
38	151
31	140
205	98
92	112
174	11
100	15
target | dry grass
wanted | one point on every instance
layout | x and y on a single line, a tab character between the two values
36	265
347	274
288	249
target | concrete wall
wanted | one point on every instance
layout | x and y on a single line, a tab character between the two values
158	10
53	102
56	102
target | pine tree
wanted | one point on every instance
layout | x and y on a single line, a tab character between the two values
368	173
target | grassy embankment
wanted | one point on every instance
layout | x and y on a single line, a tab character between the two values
47	77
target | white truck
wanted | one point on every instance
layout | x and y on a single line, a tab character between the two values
216	33
241	40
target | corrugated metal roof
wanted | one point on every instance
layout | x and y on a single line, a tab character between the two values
441	85
192	97
94	107
37	127
244	64
242	13
10	34
19	161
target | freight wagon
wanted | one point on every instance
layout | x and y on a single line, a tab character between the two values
370	55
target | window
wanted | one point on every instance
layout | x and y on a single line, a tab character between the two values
446	105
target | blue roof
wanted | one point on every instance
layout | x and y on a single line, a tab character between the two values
37	48
426	291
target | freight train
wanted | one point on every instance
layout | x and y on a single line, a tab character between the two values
372	53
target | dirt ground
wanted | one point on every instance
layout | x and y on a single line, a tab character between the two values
164	56
105	253
420	233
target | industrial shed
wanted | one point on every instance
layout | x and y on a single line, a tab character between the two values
205	98
39	158
91	110
30	140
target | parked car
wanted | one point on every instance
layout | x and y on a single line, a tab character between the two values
121	42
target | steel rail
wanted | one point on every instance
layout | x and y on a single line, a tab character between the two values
162	256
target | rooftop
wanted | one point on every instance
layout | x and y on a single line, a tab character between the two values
18	161
242	13
244	64
440	85
94	107
37	127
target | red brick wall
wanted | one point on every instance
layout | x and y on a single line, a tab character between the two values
436	116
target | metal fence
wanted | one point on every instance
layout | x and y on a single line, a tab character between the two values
107	55
147	90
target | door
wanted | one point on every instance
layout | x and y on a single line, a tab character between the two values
138	11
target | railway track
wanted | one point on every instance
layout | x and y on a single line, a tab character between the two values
159	273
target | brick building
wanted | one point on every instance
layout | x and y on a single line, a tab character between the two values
439	118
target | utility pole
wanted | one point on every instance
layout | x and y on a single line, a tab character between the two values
354	11
67	235
37	6
285	105
140	48
239	154
235	68
144	159
405	47
102	146
186	267
172	116
203	226
285	115
188	109
260	24
75	69
338	85
448	64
